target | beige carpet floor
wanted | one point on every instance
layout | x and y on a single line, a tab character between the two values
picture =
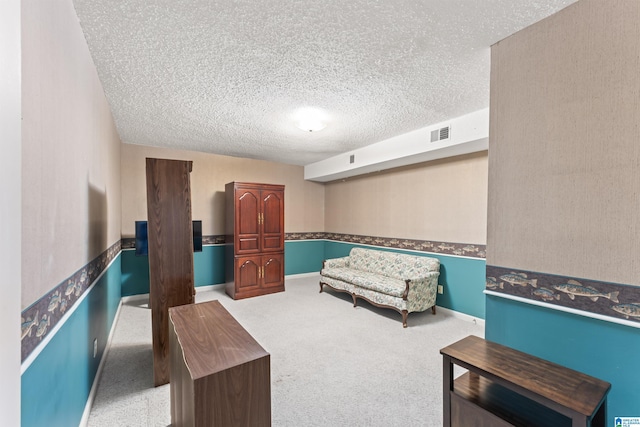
331	364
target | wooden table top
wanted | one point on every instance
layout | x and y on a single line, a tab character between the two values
571	389
211	339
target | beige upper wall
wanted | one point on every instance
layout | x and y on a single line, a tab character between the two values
70	151
304	201
10	211
564	169
443	200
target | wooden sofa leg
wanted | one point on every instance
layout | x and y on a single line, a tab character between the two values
433	309
404	318
355	300
320	287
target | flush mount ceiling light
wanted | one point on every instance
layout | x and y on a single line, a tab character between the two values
310	119
311	125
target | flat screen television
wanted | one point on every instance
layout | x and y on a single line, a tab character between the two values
142	241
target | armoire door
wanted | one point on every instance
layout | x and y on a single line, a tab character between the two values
248	273
272	220
272	270
247	221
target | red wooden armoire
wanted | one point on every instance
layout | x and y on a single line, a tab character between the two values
255	239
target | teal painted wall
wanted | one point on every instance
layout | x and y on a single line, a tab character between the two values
463	278
464	281
135	273
56	386
338	249
605	350
303	256
208	266
208	269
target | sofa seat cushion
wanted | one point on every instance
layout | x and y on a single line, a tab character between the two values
367	280
340	273
379	283
338	284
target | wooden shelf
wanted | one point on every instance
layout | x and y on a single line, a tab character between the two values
506	404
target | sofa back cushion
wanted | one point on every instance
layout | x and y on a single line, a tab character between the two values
392	264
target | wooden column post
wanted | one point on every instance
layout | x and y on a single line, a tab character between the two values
170	236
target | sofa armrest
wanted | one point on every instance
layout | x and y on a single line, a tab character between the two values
336	262
422	292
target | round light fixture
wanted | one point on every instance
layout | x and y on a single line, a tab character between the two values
311	125
310	119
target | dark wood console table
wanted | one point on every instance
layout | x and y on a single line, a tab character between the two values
220	376
505	387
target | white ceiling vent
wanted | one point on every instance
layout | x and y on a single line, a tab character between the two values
440	134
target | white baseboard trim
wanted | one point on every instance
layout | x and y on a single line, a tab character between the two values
133	298
209	287
463	316
302	275
94	387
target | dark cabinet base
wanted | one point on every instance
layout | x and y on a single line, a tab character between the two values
248	293
256	275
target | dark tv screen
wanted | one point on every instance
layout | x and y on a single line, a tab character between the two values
197	236
142	241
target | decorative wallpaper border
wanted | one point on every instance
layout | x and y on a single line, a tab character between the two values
43	315
607	299
214	240
313	235
445	248
130	242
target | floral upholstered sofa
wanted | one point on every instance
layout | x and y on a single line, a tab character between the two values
405	283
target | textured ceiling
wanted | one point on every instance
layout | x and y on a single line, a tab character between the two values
228	77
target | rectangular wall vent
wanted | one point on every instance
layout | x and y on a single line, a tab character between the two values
444	133
440	134
352	158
